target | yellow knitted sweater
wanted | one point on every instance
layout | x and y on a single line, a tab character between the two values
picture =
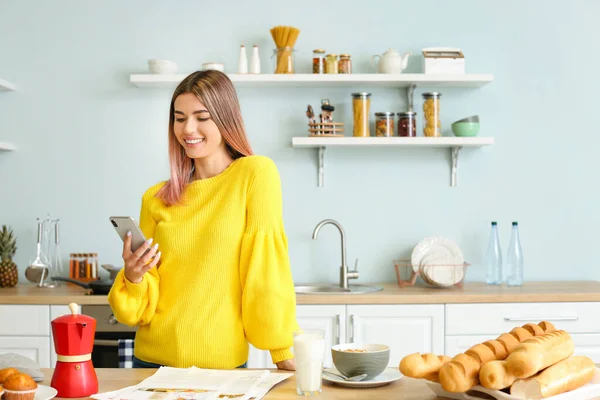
224	278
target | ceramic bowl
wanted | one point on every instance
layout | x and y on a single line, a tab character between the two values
465	128
372	362
472	118
162	66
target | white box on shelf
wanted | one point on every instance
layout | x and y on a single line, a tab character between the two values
443	60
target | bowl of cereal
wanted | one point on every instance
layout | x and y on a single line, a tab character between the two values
352	359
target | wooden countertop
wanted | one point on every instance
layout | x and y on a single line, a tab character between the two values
560	291
406	389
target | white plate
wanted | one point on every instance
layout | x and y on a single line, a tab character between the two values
387	376
44	392
441	269
588	391
438	245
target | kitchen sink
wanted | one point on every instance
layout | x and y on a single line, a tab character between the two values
333	289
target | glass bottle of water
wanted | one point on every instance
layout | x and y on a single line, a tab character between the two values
514	259
493	258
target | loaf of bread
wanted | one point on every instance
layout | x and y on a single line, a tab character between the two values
537	353
419	365
564	376
495	375
462	373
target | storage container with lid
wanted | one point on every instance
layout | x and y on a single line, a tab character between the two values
331	64
361	106
318	61
432	126
407	124
384	124
345	64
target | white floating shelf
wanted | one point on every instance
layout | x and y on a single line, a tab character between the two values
7	147
452	143
325	80
6	86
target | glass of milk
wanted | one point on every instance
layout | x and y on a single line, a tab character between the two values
309	348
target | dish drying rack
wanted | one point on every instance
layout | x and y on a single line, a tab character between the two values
407	274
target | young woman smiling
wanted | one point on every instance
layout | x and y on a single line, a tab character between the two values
221	278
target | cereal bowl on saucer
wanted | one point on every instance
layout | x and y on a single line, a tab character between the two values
352	359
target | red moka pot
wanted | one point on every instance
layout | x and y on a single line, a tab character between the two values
74	374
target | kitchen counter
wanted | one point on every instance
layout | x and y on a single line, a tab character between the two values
560	291
406	389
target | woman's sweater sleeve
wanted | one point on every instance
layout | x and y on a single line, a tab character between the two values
134	304
268	298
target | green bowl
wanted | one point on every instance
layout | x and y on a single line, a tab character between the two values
371	362
465	128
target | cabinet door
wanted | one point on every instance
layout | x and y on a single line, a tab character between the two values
32	320
461	343
405	328
329	318
36	348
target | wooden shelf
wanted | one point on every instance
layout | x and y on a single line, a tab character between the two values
7	146
325	80
455	144
6	86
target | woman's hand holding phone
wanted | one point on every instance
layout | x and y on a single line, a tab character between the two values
140	261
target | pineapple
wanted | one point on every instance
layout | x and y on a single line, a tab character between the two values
9	275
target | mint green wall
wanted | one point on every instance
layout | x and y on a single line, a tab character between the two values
90	143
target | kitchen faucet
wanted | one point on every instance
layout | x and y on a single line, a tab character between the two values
345	274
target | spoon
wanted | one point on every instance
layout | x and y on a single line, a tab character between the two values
356	378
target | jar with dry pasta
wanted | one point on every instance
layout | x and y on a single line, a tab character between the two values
407	124
384	124
361	106
432	126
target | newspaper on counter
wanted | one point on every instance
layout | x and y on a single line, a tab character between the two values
199	384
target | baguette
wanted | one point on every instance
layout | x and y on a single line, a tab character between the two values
494	375
462	373
539	352
564	376
419	365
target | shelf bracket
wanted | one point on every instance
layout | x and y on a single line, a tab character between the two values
410	94
321	166
455	151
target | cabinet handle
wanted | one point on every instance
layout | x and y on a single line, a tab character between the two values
108	343
352	318
517	319
337	329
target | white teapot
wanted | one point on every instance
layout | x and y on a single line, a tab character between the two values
391	62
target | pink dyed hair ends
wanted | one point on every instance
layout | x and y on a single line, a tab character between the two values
216	92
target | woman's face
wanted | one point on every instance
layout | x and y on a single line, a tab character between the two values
194	128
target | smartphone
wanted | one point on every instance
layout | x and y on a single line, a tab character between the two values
128	224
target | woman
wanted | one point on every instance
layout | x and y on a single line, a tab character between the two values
222	276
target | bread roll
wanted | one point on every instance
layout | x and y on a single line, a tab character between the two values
494	375
547	326
561	377
462	373
419	365
534	329
539	352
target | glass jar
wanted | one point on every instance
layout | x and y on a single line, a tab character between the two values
331	64
361	105
318	61
432	126
384	124
407	124
284	60
345	64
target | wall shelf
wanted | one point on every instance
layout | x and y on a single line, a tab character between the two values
6	86
325	80
455	144
7	146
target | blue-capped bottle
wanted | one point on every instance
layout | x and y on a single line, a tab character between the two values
493	258
514	258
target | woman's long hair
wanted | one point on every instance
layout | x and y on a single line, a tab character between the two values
216	92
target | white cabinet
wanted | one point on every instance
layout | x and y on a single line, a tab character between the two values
36	348
587	345
459	344
21	320
405	328
329	318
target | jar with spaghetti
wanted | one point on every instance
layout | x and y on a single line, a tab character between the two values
318	61
384	124
345	64
284	60
432	126
407	124
331	64
361	105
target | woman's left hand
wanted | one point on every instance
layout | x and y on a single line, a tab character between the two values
288	365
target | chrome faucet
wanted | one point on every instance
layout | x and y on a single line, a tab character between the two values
345	274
